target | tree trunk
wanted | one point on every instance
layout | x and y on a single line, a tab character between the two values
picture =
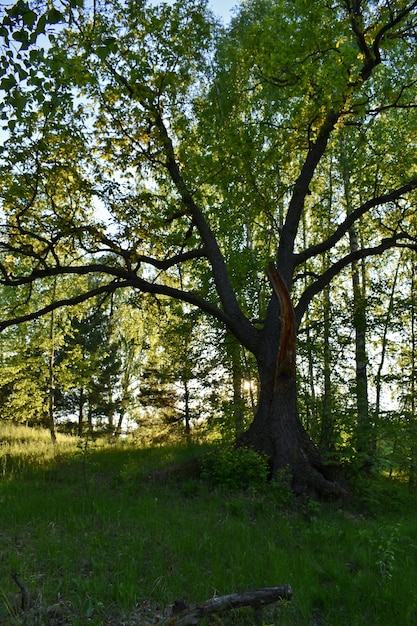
277	430
90	418
233	348
187	408
51	365
327	436
412	478
118	430
81	402
365	438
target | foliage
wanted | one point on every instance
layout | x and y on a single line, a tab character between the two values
236	468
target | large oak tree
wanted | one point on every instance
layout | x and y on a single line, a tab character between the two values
165	154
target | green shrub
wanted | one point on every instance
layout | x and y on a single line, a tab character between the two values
236	468
281	489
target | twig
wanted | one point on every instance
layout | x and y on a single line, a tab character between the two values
26	599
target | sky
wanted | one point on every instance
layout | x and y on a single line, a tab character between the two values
223	7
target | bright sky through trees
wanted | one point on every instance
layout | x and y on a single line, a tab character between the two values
223	7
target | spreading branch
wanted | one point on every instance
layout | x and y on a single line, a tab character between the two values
124	279
351	219
65	302
324	279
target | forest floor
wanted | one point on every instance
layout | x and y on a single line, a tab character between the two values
102	534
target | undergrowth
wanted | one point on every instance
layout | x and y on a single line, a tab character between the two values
97	536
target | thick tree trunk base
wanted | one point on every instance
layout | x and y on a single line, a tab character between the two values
310	476
277	431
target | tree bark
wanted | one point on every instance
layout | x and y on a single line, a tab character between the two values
277	430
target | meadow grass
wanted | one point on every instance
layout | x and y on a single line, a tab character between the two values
99	537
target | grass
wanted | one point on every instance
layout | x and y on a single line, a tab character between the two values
99	537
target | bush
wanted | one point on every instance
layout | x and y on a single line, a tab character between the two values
236	468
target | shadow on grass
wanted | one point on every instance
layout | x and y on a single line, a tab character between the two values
101	534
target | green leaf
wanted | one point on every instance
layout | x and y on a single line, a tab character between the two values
107	47
54	16
21	35
18	9
102	52
29	18
22	73
40	26
7	83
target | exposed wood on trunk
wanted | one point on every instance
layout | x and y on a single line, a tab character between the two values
286	352
255	598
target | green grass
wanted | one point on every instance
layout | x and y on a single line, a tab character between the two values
98	536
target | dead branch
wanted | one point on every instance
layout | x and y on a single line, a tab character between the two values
256	598
25	596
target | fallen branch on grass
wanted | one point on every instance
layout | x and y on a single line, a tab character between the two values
256	598
25	598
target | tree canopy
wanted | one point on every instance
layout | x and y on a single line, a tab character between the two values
151	147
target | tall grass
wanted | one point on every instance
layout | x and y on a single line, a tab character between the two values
98	536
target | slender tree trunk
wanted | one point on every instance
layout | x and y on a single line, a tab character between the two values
187	411
365	444
110	416
118	430
81	403
311	417
253	386
90	419
412	479
378	377
51	399
327	437
236	368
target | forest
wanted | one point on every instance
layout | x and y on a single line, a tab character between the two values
208	237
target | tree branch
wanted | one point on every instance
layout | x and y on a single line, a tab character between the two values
324	279
316	151
125	278
285	260
214	255
350	220
255	598
110	288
